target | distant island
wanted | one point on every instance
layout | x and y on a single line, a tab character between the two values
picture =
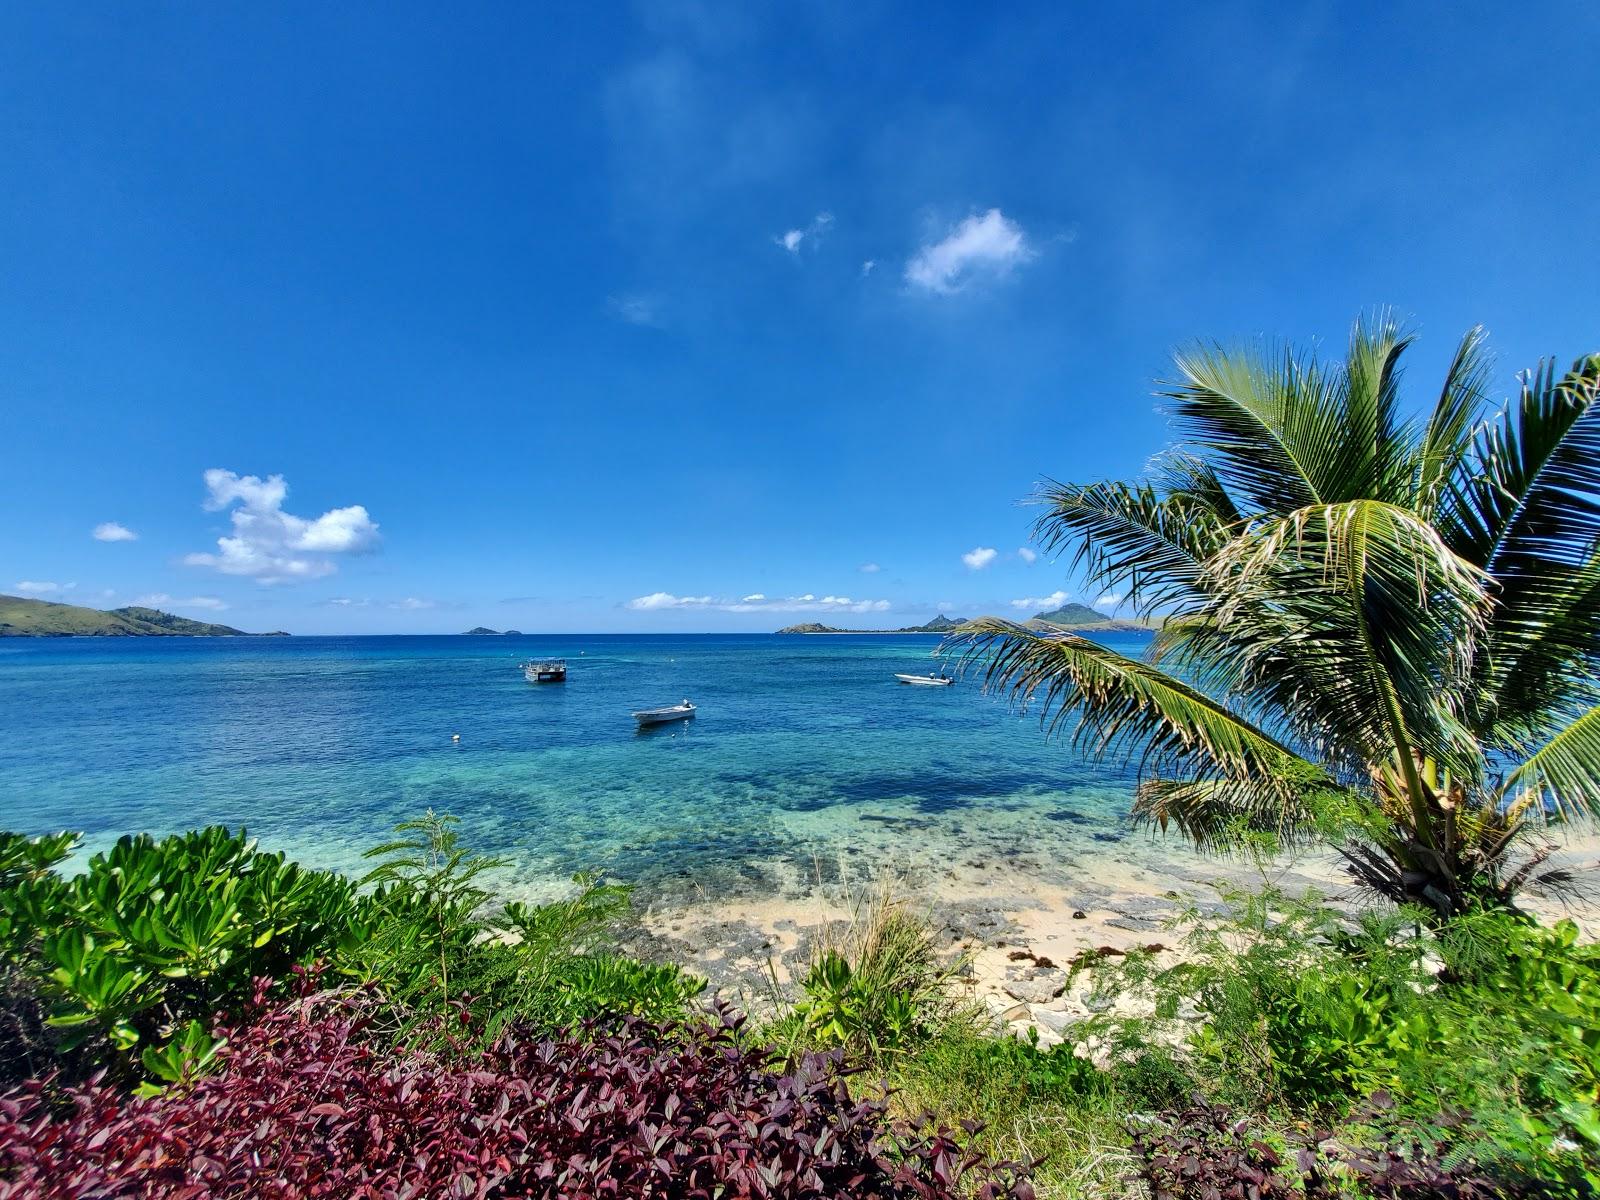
1067	618
481	631
940	624
22	617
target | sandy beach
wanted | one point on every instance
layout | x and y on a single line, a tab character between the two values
1017	917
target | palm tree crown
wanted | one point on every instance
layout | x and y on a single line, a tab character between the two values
1395	619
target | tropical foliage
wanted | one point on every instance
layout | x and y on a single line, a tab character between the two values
1476	1044
1387	623
125	965
307	1104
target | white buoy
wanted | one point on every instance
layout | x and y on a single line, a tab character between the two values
455	737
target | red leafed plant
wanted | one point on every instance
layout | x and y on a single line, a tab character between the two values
305	1105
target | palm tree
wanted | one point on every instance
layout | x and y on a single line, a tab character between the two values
1390	622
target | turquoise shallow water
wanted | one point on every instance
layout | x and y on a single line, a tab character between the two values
805	747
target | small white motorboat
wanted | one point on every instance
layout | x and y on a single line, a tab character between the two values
928	680
660	716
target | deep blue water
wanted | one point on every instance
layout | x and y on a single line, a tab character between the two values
319	745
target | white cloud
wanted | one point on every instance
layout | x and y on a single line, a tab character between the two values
979	557
757	602
668	600
793	239
110	531
347	602
273	546
986	246
162	600
869	568
412	603
39	587
636	308
1026	555
1042	603
1108	600
866	267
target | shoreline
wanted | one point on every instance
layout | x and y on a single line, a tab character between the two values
1018	931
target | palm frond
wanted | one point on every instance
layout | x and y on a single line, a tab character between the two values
1534	491
1541	656
1374	615
1132	538
1113	705
1366	456
1563	776
1244	409
1530	513
1448	437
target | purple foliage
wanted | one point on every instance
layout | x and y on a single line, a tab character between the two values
306	1105
1204	1153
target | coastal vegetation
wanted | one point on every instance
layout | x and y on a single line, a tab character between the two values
1380	629
196	1016
21	616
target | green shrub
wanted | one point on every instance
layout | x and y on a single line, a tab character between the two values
430	939
126	965
878	988
1486	1032
154	935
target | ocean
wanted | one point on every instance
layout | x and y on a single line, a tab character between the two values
806	754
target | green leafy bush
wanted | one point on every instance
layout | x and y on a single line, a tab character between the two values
155	935
1487	1031
877	989
431	939
126	965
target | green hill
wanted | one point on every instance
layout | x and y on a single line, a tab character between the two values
1073	614
22	617
940	624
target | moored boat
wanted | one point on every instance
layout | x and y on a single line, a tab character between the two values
660	716
928	680
545	670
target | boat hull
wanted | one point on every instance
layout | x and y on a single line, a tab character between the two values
926	680
661	716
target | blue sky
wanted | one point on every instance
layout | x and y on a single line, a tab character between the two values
595	317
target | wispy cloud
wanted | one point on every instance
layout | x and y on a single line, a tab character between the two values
110	531
1042	603
162	600
793	240
980	247
871	568
346	602
273	546
758	602
40	587
1026	555
979	557
636	308
1108	600
866	267
413	603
